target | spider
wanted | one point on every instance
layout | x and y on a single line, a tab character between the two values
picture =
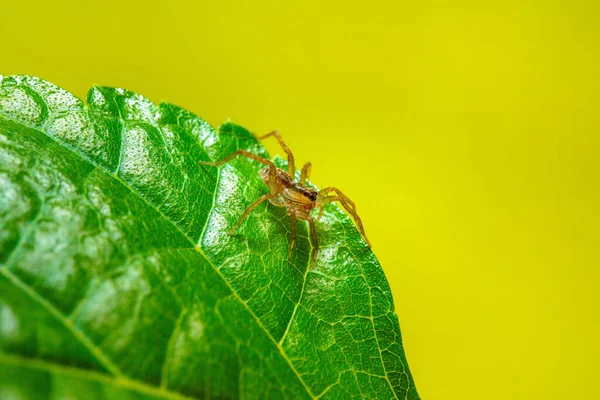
298	198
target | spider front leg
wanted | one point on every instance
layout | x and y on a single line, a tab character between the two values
293	241
320	214
291	164
248	210
339	193
315	241
348	205
272	180
305	173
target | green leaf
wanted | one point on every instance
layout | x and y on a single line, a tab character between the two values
118	279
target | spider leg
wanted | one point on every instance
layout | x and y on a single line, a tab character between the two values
272	179
347	204
326	200
305	173
339	193
236	153
291	164
320	214
293	217
249	209
315	241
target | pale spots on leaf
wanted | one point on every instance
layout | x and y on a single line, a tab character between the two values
135	158
73	128
18	104
195	326
98	98
9	323
230	186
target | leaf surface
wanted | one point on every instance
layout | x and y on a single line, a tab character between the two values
118	279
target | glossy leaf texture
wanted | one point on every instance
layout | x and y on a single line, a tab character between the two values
118	279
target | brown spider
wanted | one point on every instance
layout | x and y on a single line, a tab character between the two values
298	198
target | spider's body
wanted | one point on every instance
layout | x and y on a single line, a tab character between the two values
298	199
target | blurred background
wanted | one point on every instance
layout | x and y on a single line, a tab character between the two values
467	132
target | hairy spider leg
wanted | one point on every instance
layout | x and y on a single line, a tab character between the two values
249	209
272	179
320	214
339	193
293	218
346	203
315	241
291	164
305	173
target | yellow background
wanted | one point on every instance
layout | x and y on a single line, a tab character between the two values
467	132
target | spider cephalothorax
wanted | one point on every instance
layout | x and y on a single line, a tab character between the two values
298	198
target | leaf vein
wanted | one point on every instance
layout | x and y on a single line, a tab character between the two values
120	382
80	335
164	375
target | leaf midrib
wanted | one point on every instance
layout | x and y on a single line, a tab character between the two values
115	176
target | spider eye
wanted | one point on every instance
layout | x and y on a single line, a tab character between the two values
310	194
